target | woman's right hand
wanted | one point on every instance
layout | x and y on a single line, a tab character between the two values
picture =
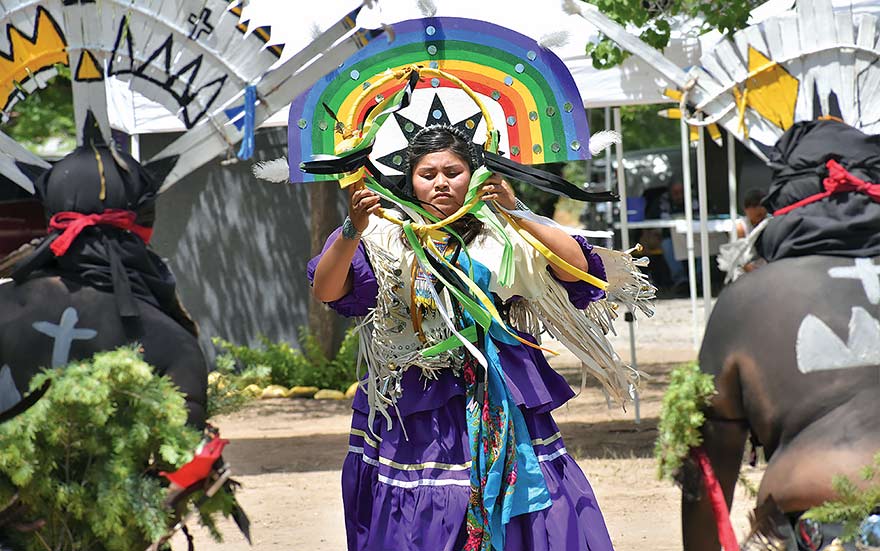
362	203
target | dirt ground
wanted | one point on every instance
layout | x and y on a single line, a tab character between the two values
287	454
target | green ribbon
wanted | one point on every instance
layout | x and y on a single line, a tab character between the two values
469	332
477	312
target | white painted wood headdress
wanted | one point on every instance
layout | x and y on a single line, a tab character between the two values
807	63
197	58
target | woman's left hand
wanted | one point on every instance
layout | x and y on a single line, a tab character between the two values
497	189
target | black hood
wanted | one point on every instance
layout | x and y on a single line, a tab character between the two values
843	224
90	180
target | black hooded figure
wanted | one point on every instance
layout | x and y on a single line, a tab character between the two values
93	284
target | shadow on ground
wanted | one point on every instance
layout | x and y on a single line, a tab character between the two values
605	439
326	452
610	439
654	376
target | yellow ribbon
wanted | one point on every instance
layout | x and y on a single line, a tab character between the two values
554	259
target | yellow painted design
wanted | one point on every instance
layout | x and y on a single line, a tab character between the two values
87	68
671	113
741	99
263	33
714	133
30	55
351	178
672	93
242	27
771	90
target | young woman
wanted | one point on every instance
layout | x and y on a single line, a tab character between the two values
463	456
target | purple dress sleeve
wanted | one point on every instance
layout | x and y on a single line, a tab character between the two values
581	293
364	289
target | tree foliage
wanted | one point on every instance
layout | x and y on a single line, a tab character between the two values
46	114
654	20
84	460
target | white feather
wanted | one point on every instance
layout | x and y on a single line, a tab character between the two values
315	31
603	139
556	39
427	7
571	7
275	171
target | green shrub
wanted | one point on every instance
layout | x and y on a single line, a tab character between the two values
291	367
227	388
85	458
853	504
681	417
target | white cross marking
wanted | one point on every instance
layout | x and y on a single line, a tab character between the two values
64	334
866	271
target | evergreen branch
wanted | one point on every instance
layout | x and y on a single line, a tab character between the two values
681	417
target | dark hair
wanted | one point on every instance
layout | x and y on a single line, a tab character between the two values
753	198
438	138
432	139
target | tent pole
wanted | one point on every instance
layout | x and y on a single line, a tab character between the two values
624	240
704	222
732	183
689	225
621	185
135	145
588	165
609	212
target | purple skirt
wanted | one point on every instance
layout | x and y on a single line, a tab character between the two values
410	493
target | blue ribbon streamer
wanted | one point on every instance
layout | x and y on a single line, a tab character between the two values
246	151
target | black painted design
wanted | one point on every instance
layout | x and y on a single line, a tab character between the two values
409	129
263	33
200	24
122	62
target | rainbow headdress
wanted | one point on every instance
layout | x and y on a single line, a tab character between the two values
527	90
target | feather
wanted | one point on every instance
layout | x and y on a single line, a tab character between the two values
315	31
603	139
555	39
275	171
427	7
572	7
770	529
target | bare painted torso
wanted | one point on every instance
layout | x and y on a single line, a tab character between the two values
795	349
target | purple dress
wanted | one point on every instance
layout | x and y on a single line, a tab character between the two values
412	494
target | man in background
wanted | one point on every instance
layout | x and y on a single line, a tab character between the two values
755	212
